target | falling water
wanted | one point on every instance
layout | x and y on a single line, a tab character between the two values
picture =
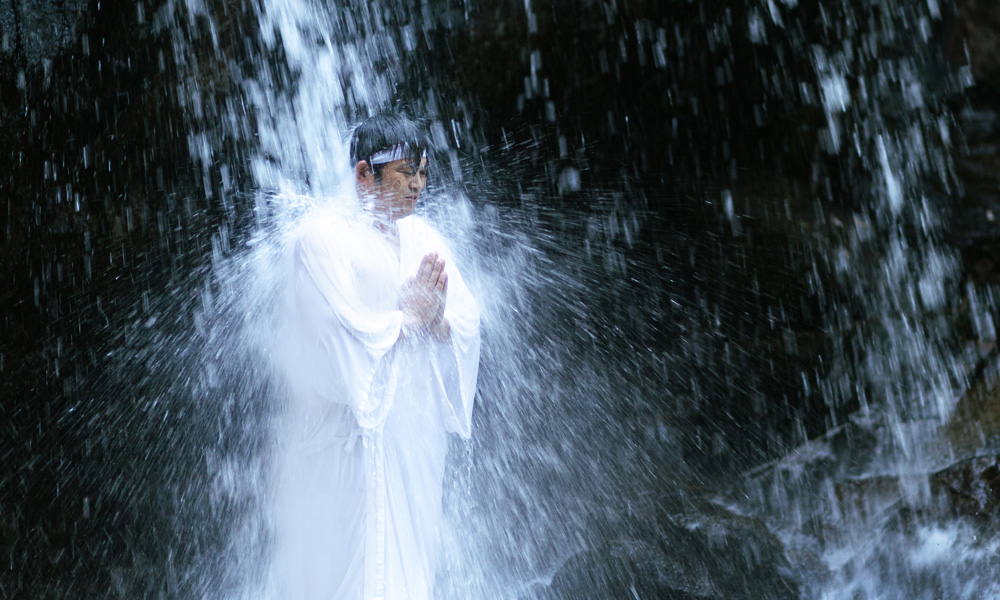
859	499
318	68
527	494
651	419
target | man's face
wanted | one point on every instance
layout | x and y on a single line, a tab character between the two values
397	194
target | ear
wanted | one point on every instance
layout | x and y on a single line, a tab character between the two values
363	174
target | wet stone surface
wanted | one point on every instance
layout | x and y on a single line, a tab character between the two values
973	486
688	547
36	30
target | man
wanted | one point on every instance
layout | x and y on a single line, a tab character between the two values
388	340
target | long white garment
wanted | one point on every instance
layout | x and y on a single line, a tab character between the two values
371	414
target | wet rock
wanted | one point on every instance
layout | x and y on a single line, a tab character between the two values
981	262
978	124
623	571
973	485
869	496
974	426
843	453
978	167
688	548
976	30
35	30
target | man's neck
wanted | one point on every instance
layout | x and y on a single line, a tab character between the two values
385	226
387	229
383	220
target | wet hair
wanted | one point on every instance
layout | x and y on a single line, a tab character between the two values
384	131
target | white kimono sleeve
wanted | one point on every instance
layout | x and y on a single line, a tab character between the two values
457	360
345	358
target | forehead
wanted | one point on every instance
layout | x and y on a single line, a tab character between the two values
403	164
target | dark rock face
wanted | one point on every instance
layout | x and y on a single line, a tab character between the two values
973	486
977	27
975	42
100	239
974	426
701	551
973	429
978	217
34	30
920	533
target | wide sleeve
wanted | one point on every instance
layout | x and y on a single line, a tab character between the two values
457	359
346	350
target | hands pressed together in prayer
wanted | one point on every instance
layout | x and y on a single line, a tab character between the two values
424	297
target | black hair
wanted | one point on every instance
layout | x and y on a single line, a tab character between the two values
384	131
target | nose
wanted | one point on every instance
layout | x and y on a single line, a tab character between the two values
417	182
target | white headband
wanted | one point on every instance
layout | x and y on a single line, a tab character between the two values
397	152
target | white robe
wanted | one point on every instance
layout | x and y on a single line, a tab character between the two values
371	414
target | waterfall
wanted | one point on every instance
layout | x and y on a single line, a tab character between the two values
725	325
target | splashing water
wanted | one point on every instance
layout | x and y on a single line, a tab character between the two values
636	428
523	494
898	359
518	505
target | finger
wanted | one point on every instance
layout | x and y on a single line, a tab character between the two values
426	266
432	271
422	269
436	272
440	273
442	283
